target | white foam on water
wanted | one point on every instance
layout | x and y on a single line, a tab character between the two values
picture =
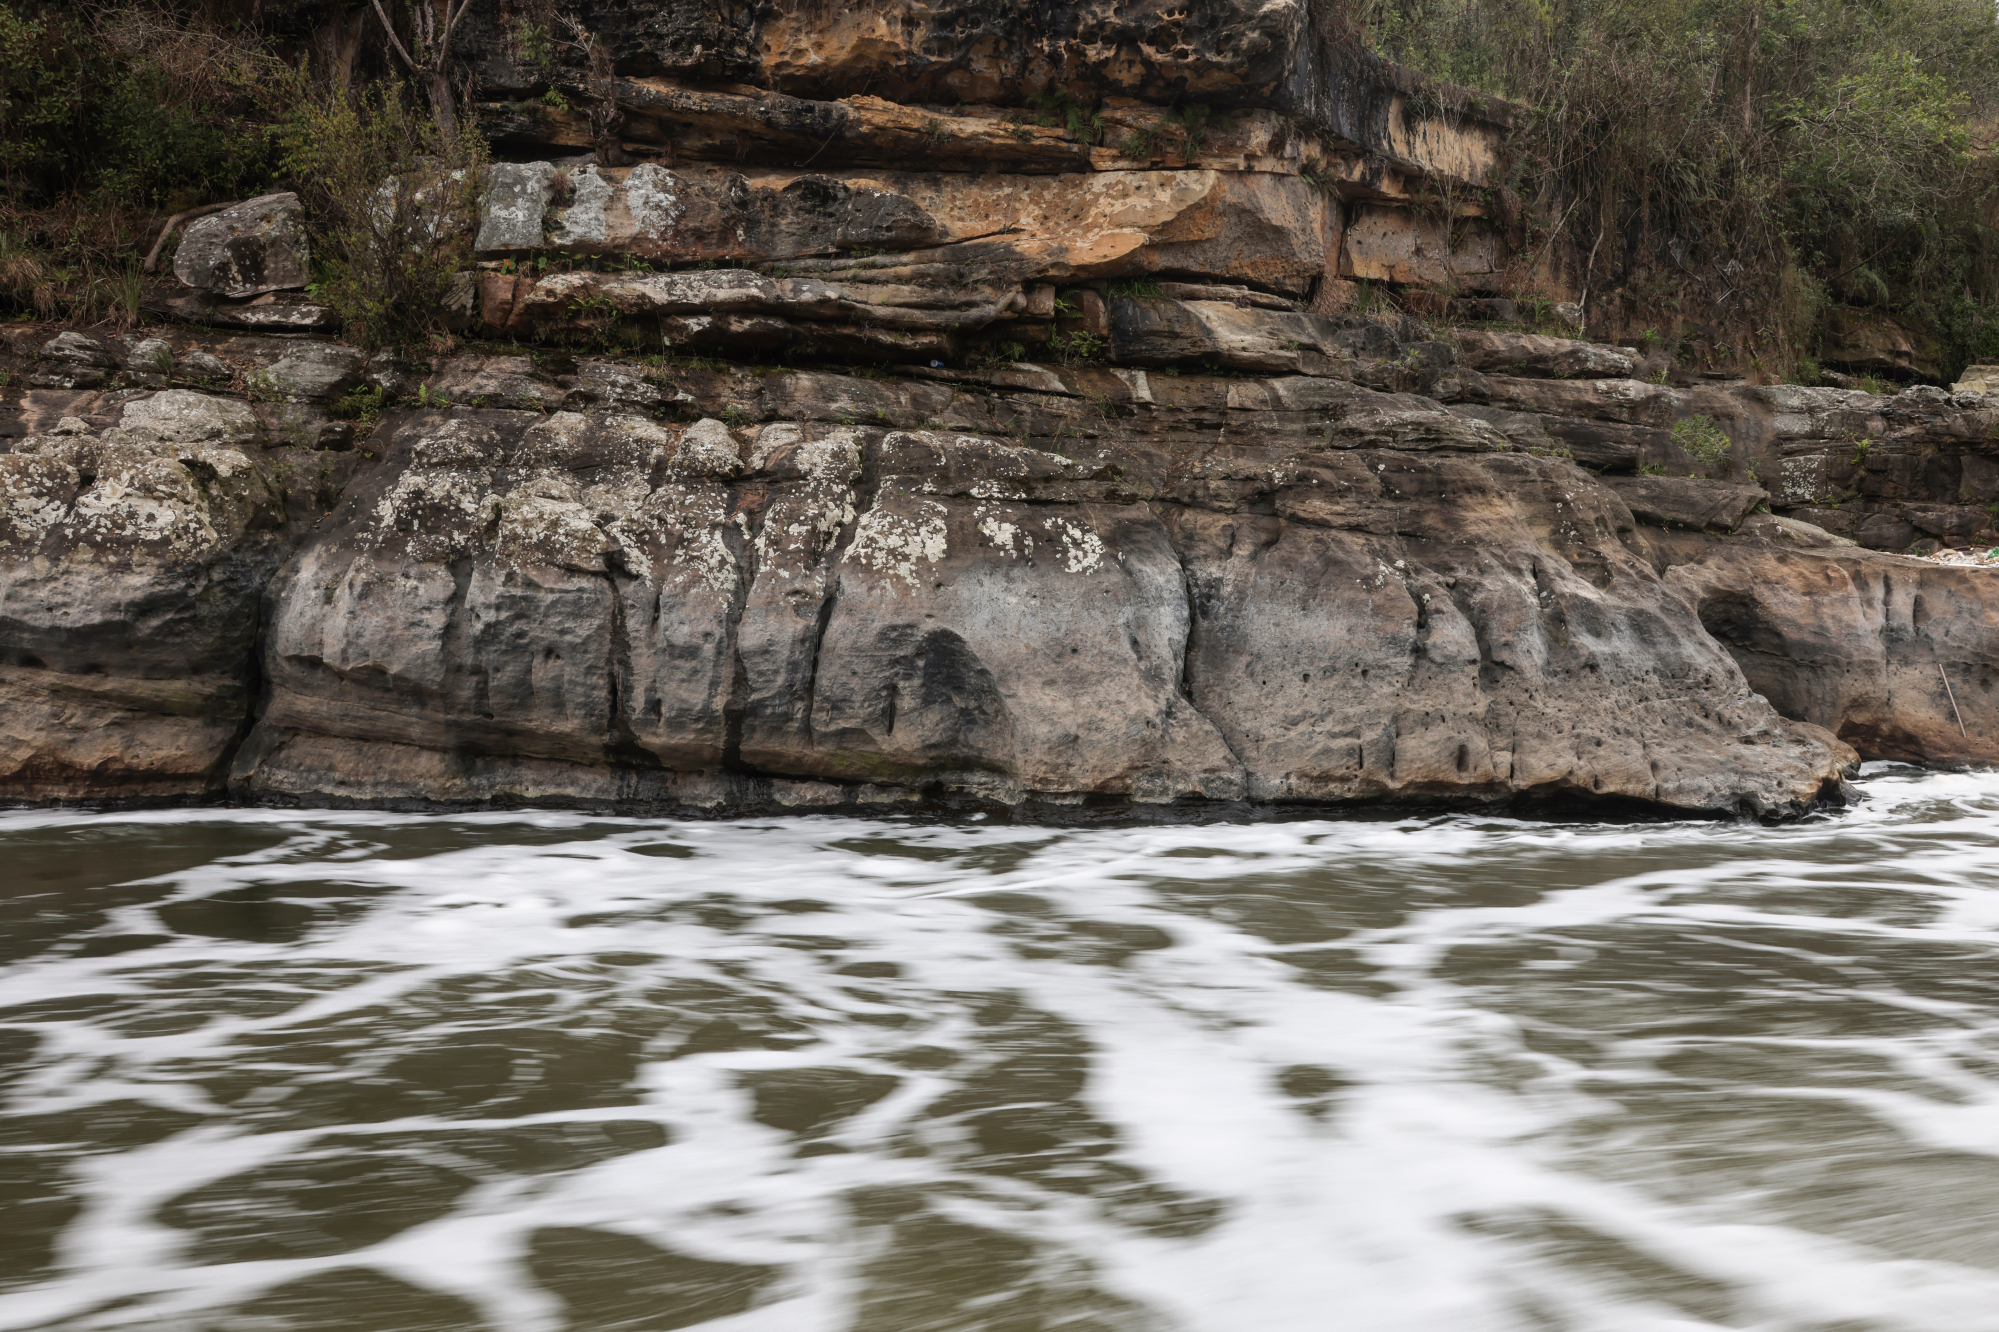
1447	1179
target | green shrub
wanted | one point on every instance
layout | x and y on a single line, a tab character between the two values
1707	442
1744	163
391	207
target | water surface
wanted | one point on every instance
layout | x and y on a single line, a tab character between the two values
271	1071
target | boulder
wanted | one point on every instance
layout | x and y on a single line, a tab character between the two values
148	361
495	381
1894	655
71	360
133	563
310	372
204	368
1155	331
1980	379
1535	356
247	249
1688	501
514	207
179	416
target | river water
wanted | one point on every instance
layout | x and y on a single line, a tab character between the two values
270	1071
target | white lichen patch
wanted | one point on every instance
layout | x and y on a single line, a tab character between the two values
694	519
140	499
897	545
30	496
1080	549
183	417
1803	480
456	443
652	196
1006	537
708	449
797	528
778	435
435	515
539	530
555	442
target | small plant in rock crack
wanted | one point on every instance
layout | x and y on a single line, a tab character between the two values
364	404
734	416
1077	347
1707	442
426	396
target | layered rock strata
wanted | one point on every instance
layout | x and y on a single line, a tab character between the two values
1064	456
1036	587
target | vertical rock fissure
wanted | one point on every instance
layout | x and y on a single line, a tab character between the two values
621	742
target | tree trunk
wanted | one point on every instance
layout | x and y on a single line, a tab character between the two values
439	87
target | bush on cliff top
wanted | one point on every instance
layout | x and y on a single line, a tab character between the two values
393	201
1743	162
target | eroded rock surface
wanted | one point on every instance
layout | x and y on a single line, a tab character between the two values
702	587
133	561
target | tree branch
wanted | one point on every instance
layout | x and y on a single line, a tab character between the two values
153	255
394	40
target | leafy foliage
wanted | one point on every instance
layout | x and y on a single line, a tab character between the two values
392	203
1745	162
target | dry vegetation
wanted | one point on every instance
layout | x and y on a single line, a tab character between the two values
1728	171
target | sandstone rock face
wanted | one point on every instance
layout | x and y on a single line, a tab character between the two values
1386	604
1979	379
248	249
1898	657
1673	501
135	560
1032	584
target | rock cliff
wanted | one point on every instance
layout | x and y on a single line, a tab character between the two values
978	403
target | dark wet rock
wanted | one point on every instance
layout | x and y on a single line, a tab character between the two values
310	372
247	249
202	367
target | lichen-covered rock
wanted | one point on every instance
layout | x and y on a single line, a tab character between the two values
708	449
253	247
72	360
310	372
133	562
1497	352
938	611
180	416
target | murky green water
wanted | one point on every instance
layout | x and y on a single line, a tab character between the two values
270	1071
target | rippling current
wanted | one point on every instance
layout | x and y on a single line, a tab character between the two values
271	1071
